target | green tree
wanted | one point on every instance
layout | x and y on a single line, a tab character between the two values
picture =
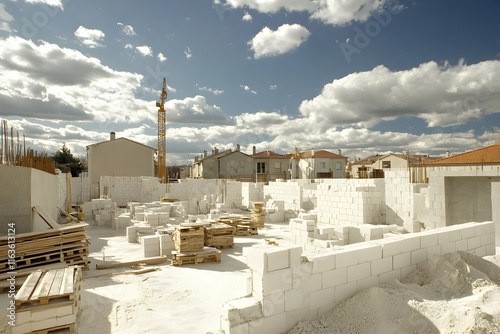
66	162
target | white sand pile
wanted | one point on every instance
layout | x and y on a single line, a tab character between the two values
454	293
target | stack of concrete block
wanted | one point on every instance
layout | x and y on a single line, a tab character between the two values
132	233
275	210
372	232
122	221
167	244
103	211
289	192
151	218
150	245
290	289
139	213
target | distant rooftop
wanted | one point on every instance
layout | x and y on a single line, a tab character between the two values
484	155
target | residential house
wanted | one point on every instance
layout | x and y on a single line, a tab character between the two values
317	164
228	164
270	166
375	166
119	157
485	156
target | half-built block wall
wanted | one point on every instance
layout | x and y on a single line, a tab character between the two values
287	289
23	188
287	191
351	201
123	189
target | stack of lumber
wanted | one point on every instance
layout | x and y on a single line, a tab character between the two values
206	255
68	244
219	235
189	237
48	301
244	225
258	215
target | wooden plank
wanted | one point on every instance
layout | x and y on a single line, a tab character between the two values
67	285
56	284
149	260
46	218
23	295
44	285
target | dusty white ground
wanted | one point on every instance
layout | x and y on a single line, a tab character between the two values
455	293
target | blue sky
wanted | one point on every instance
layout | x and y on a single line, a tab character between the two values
363	76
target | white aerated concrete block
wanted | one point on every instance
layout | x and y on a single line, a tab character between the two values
273	304
401	260
321	298
346	257
369	253
334	277
294	299
357	272
277	259
381	266
323	262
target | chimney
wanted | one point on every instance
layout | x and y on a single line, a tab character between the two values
216	150
213	152
196	159
447	153
112	136
340	151
254	150
204	154
201	156
237	147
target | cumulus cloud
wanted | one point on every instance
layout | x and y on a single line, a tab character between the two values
335	12
89	37
127	29
247	17
144	50
195	110
128	46
248	89
5	19
53	3
161	57
269	43
211	90
76	86
273	87
441	95
188	52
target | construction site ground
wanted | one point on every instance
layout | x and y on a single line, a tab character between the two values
173	299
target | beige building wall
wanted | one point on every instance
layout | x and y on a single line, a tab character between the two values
395	163
310	167
119	157
274	168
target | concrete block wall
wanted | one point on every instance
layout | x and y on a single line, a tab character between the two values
124	189
196	191
288	191
251	192
80	190
309	196
288	290
351	201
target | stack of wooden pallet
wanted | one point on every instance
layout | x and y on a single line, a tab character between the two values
258	215
48	301
219	235
68	244
189	240
244	225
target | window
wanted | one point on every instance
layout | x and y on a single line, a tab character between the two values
338	166
261	167
277	167
386	164
323	165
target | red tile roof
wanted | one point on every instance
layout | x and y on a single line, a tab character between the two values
320	154
268	154
484	155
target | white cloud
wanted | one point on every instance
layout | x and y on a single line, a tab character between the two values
46	81
4	15
144	50
127	29
248	89
161	57
211	90
53	3
247	17
128	46
441	95
273	87
272	6
195	110
5	26
335	12
89	37
188	52
268	43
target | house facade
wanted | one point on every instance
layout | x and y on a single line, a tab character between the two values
317	164
228	164
270	166
375	166
119	157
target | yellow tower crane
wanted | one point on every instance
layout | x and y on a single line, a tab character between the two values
162	143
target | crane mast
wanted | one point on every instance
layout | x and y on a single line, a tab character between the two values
162	143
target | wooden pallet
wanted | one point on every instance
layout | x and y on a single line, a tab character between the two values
57	284
189	237
219	235
207	255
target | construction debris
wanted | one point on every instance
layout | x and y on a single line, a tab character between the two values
48	301
68	244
